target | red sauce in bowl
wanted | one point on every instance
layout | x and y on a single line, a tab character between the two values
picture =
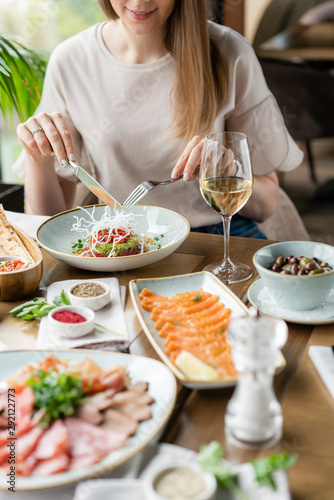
68	317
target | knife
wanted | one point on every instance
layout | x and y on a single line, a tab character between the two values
92	184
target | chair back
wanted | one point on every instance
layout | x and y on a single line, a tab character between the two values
305	96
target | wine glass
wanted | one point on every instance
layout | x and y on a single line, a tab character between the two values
226	183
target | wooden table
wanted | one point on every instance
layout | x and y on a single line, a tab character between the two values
301	43
308	409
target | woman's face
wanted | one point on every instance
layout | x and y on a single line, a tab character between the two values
143	16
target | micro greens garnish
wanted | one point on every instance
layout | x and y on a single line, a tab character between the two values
78	246
210	459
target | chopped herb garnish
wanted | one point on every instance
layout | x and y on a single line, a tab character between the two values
198	298
78	246
58	394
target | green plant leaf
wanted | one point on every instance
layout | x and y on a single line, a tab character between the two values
22	72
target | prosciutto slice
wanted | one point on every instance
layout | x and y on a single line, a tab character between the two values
54	442
28	442
89	440
55	465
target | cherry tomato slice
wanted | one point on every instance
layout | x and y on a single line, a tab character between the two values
104	236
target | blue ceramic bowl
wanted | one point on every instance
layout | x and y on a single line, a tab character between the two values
297	293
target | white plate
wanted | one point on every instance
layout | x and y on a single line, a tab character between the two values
179	284
56	237
111	489
139	368
259	296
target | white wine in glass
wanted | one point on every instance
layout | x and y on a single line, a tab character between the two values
226	183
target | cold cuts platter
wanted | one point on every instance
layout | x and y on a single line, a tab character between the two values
52	449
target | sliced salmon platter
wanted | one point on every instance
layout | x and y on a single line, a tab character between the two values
70	415
186	320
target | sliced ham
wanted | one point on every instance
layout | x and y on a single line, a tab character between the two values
25	401
101	400
90	409
80	462
116	381
138	411
87	439
120	421
24	406
131	396
3	422
4	453
54	442
139	386
28	442
26	466
3	400
52	466
23	427
90	413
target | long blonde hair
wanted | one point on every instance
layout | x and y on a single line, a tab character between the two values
201	77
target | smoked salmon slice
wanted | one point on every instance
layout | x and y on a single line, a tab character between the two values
195	322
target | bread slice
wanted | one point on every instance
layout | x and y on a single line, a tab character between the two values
10	242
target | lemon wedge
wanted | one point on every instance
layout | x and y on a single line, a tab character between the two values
194	368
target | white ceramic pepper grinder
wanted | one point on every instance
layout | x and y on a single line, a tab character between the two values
253	416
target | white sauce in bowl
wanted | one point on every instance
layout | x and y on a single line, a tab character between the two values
179	483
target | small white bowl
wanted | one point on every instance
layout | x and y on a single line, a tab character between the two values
72	330
152	479
10	258
92	302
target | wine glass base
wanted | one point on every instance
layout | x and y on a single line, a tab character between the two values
235	273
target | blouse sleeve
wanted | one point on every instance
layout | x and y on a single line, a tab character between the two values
53	100
255	112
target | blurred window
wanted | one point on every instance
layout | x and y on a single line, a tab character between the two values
42	25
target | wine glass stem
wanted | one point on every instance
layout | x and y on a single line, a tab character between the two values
227	224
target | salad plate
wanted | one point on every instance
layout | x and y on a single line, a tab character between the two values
170	286
259	296
139	368
165	229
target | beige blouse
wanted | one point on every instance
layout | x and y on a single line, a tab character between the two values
120	113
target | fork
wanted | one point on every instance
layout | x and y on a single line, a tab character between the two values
145	187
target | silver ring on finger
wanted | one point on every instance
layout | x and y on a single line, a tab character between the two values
39	129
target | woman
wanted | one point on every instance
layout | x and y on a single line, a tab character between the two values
138	93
